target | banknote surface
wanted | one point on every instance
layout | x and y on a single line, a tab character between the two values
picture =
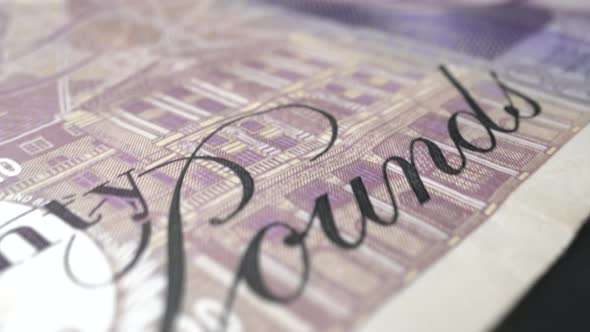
324	168
542	44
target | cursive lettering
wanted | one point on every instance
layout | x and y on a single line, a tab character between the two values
249	269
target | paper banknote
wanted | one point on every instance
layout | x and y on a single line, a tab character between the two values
286	166
542	44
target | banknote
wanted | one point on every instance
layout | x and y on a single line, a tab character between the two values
240	166
542	44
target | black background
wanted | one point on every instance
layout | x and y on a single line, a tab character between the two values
560	300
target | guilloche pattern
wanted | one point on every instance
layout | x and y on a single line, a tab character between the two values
135	106
540	44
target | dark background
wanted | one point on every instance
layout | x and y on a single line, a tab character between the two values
560	300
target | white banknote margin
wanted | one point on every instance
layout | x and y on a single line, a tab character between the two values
478	282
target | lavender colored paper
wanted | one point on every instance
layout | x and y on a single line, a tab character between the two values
101	93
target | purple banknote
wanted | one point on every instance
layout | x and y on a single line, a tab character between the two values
181	166
543	44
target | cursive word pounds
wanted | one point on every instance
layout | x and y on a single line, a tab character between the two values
249	268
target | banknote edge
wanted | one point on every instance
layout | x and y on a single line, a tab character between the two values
476	284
